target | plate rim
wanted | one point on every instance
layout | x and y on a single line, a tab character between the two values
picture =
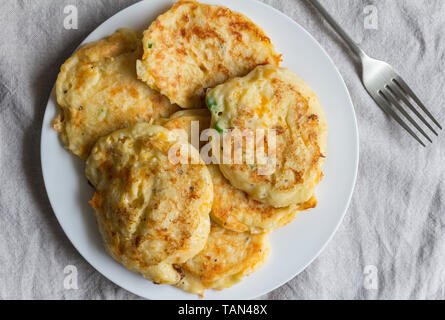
356	146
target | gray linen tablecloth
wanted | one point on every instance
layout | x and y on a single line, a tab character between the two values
395	225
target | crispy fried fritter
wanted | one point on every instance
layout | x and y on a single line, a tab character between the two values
282	105
195	46
152	213
227	257
98	92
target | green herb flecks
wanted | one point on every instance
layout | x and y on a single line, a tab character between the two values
150	45
211	103
101	112
218	128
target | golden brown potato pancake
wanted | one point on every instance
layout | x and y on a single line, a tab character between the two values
227	257
98	92
152	214
274	100
195	46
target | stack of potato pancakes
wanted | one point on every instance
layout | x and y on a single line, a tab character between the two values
128	100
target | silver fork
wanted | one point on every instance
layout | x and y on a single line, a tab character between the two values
385	86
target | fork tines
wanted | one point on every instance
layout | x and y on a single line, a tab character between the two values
397	91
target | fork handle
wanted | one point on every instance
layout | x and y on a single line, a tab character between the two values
352	45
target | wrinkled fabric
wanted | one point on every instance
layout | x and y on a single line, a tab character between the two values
391	243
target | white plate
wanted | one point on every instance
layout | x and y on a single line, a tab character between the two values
295	246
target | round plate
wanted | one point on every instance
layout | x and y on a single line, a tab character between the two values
295	246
